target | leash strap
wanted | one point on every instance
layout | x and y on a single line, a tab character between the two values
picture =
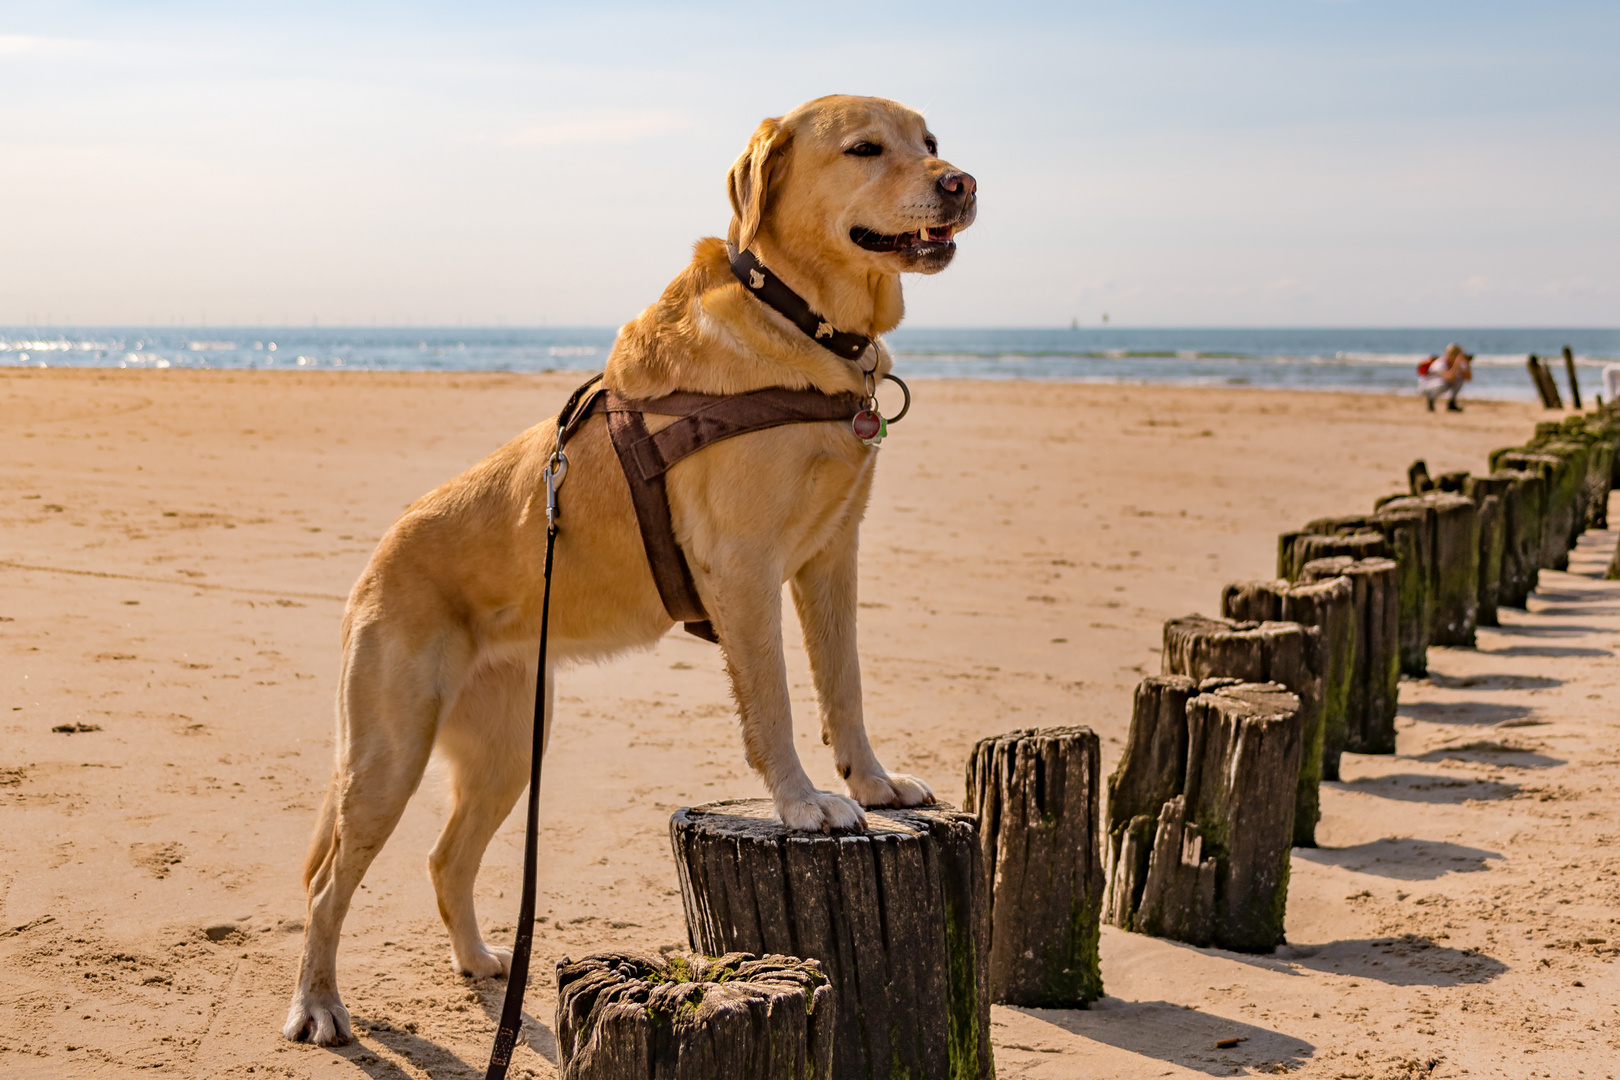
517	980
573	414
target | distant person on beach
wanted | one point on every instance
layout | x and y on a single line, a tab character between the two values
1445	374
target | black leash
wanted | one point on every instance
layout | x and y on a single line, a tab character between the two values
517	980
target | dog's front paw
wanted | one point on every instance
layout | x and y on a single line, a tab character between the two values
318	1018
482	963
890	789
821	811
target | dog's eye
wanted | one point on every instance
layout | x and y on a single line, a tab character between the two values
933	147
865	149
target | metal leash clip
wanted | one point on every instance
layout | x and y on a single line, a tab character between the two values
553	474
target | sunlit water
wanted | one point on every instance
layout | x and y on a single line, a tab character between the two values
1377	361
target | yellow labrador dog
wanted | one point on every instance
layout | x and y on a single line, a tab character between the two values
838	198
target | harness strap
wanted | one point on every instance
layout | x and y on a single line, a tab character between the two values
650	496
705	419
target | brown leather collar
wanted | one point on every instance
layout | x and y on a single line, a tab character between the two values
774	293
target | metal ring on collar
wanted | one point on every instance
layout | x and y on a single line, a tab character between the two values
904	389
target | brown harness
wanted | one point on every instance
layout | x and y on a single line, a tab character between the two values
645	457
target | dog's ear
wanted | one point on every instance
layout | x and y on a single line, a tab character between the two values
749	181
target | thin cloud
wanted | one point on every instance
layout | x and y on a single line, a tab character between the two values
25	45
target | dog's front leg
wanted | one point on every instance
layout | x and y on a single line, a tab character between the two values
824	593
746	601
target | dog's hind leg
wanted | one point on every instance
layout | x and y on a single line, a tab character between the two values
486	743
388	710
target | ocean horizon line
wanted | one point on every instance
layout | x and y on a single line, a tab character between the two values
1110	327
1368	359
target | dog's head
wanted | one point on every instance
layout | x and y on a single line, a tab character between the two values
851	180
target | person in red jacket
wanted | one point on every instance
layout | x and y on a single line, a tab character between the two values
1445	374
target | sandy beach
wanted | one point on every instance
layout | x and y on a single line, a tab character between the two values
175	547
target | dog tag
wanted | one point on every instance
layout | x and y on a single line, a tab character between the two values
868	426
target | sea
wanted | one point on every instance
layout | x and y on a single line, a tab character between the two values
1362	360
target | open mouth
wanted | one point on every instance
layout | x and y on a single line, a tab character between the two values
920	242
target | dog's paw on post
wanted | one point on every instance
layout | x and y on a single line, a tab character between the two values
320	1019
889	789
821	811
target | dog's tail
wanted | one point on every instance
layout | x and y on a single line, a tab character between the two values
322	844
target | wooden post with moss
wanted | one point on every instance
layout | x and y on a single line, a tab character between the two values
1208	864
1152	770
1328	604
626	1016
1295	549
896	916
1408	535
1375	680
1280	652
1491	495
1522	527
1560	486
1451	540
1037	795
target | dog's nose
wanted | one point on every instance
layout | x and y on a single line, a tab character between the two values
959	184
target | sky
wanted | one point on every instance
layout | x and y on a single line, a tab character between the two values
1292	163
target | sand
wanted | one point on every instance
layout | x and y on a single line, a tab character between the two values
175	547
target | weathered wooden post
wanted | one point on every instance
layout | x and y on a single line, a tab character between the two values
1375	680
1408	534
1494	539
1560	496
1521	553
1544	384
896	915
1579	456
1574	382
1454	557
1280	652
1037	795
1328	604
1209	865
1587	443
1417	477
1295	549
1151	771
626	1016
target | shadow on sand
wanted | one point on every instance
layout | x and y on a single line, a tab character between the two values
1490	752
426	1056
1176	1034
1408	960
1428	788
1483	713
1402	859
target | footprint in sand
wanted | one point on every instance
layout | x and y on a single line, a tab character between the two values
156	859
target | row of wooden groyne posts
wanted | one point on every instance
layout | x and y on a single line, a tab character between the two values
878	955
